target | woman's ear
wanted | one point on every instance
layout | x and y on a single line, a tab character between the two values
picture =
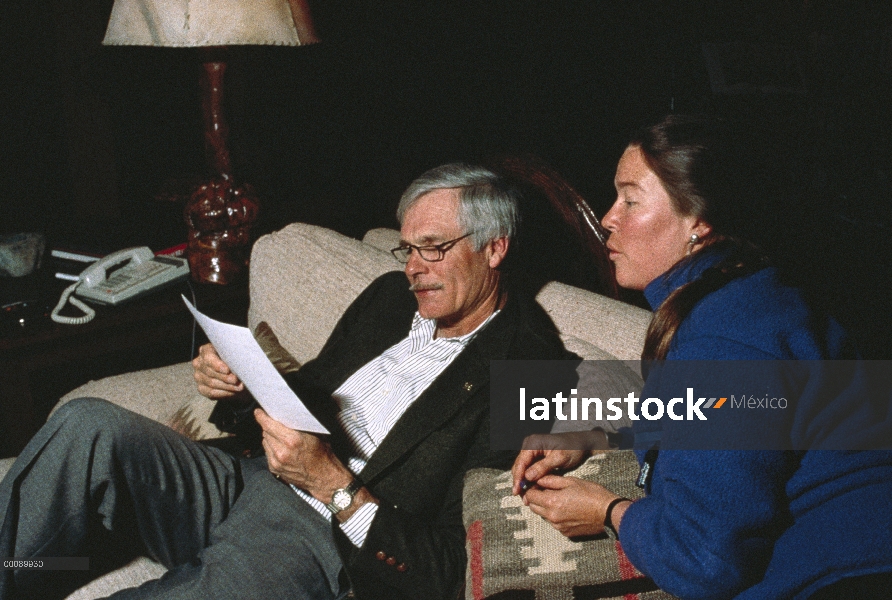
701	228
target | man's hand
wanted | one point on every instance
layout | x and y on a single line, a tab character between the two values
307	461
573	506
214	378
544	454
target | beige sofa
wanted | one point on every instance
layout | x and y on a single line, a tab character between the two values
302	279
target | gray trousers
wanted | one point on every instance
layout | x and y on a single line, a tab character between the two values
103	482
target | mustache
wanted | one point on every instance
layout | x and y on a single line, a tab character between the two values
420	287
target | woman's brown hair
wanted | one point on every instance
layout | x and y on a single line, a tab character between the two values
698	165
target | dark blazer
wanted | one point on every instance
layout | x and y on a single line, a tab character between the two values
416	545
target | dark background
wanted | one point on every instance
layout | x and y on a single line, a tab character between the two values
98	145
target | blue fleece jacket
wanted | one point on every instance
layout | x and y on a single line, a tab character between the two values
757	524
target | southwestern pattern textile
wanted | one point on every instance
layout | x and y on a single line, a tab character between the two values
514	554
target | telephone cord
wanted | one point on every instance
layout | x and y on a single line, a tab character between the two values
89	313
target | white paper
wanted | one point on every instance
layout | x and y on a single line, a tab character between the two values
244	356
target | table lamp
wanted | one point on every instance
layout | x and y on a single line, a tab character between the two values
220	212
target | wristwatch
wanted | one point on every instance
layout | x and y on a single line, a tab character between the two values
343	498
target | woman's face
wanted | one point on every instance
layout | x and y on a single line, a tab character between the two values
647	235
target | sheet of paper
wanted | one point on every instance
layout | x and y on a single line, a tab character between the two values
238	349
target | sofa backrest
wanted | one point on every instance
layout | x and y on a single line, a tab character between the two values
303	277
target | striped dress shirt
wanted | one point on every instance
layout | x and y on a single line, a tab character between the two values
373	399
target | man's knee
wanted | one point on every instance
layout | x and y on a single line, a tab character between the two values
80	407
86	418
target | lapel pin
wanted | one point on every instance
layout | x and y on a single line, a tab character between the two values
468	386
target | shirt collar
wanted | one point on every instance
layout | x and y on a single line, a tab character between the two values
427	327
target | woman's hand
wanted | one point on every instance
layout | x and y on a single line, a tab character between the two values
544	454
573	506
214	378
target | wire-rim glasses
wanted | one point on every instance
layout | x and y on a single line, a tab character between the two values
434	253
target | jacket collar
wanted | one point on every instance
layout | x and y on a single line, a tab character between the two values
685	271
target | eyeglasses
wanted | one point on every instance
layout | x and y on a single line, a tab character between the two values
433	253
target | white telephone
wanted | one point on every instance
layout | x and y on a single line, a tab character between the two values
118	277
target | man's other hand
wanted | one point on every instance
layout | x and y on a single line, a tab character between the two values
214	378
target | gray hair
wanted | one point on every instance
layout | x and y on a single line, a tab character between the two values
487	204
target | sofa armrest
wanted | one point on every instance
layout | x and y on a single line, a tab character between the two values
610	325
167	395
512	552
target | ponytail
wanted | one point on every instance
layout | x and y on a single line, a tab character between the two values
743	259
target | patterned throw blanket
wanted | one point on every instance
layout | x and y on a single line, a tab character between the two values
515	554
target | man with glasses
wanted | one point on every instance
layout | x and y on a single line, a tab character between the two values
402	384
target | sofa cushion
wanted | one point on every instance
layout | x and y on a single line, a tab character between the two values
512	551
5	465
134	574
272	347
303	277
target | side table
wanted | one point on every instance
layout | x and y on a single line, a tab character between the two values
40	364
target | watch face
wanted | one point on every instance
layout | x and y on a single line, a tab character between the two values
342	499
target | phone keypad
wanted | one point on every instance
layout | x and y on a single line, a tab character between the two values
129	275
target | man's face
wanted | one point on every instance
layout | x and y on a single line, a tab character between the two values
461	290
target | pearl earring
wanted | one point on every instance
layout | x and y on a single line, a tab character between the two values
692	242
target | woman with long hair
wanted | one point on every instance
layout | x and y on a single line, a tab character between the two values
721	523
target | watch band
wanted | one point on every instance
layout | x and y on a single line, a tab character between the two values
342	499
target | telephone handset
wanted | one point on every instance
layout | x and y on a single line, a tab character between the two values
118	277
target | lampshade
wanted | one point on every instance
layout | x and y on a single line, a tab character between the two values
188	23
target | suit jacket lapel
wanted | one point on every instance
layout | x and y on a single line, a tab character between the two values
461	380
